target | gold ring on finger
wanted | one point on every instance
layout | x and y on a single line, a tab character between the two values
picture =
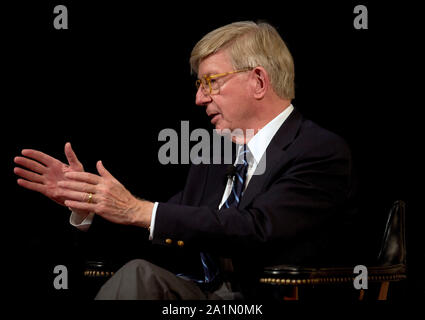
89	197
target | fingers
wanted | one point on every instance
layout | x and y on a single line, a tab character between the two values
28	175
78	186
72	157
84	177
32	186
91	207
77	196
30	164
39	156
102	171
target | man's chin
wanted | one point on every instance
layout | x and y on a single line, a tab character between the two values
220	127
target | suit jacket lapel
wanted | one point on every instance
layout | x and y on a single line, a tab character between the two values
274	157
216	183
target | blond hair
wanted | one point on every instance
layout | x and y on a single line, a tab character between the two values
250	45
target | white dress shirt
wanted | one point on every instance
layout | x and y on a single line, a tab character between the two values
257	146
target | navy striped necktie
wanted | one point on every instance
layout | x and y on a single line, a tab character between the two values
239	180
210	264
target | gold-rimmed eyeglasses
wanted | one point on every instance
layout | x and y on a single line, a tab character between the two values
210	85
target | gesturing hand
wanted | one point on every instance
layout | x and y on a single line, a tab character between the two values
44	174
105	196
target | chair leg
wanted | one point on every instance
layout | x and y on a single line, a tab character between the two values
383	290
294	295
361	295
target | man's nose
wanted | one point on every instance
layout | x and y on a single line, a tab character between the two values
202	99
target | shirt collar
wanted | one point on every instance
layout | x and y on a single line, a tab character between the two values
260	141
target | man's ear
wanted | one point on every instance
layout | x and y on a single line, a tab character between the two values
261	82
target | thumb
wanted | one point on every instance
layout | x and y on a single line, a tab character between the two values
72	157
102	171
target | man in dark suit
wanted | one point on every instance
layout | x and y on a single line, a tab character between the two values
287	199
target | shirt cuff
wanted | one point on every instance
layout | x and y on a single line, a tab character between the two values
80	223
152	226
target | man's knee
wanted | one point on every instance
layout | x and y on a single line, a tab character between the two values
129	282
140	268
136	264
141	279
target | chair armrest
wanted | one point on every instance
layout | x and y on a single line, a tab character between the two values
97	269
300	275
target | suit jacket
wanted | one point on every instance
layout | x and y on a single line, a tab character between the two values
299	211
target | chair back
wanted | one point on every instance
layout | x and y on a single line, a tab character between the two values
393	247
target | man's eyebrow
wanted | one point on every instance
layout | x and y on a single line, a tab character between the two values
210	73
206	75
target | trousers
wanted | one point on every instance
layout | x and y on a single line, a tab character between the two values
141	280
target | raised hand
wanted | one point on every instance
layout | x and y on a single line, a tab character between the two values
105	196
43	172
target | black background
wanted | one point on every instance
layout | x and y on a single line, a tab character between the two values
120	74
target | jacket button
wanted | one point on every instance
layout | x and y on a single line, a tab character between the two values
180	243
168	241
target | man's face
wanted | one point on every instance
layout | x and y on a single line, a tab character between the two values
230	108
